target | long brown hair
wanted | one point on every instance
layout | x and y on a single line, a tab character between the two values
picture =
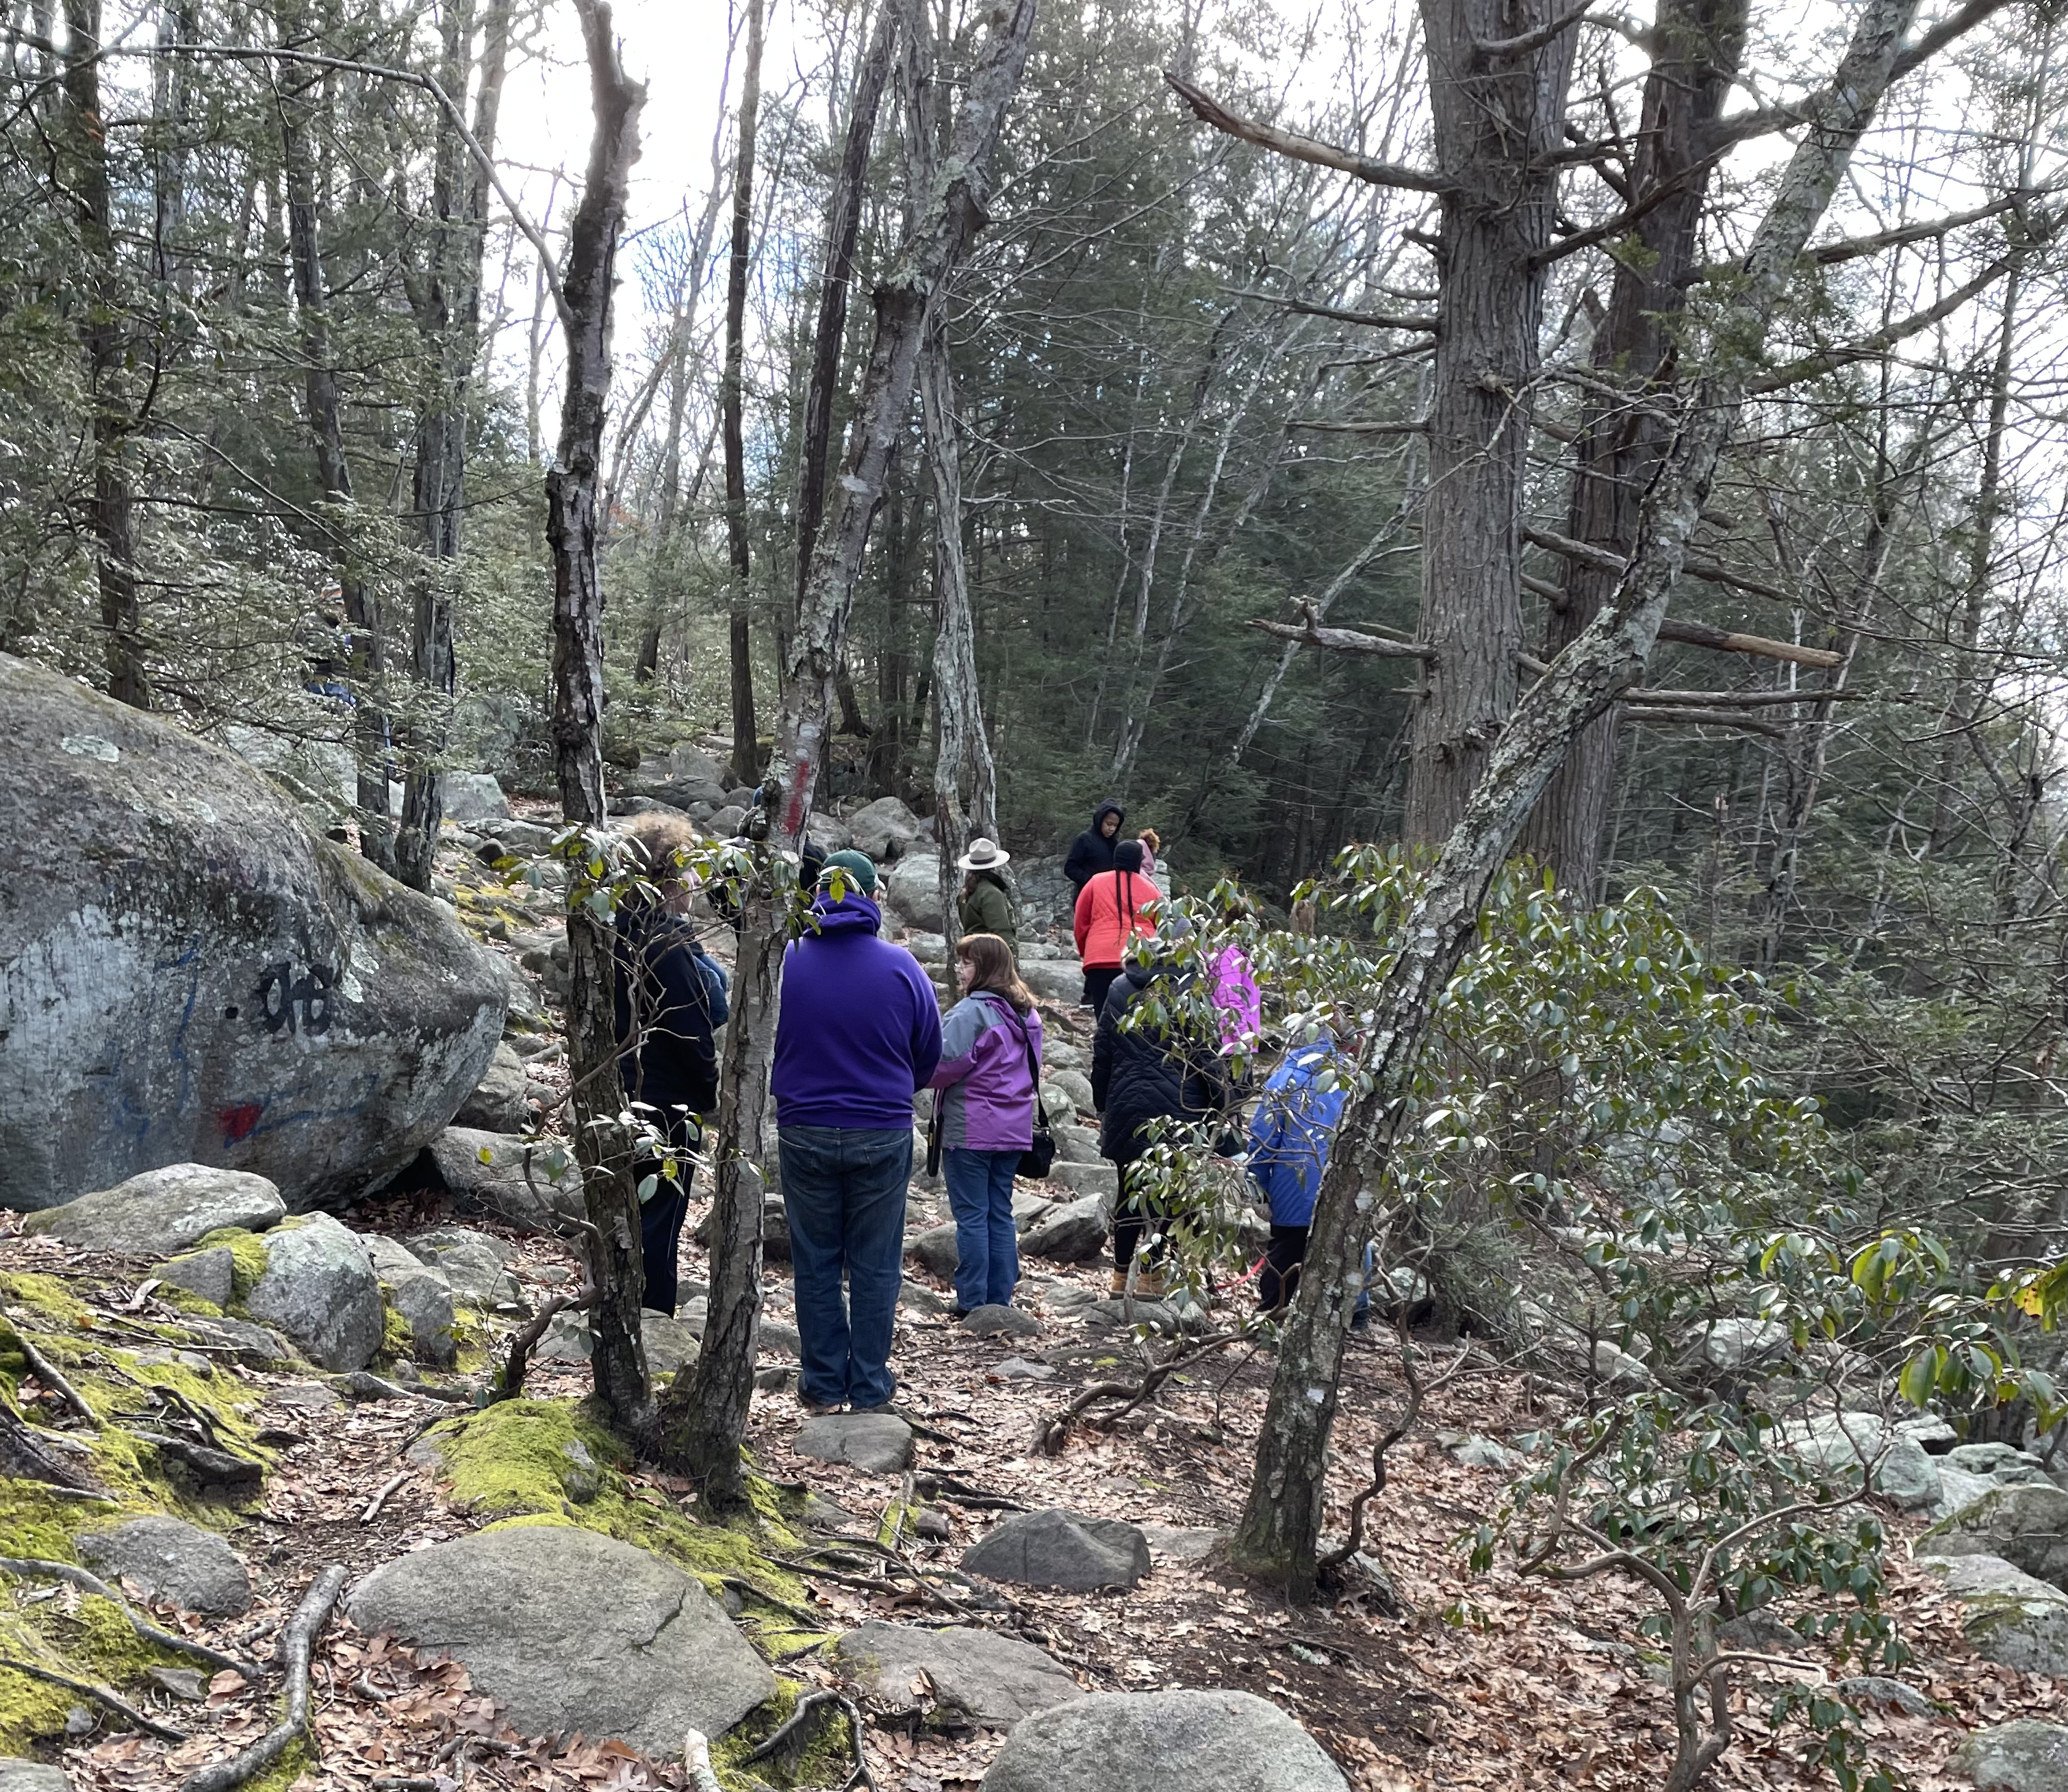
990	959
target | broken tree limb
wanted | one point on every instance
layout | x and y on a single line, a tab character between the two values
1729	641
1209	111
297	1643
1343	640
25	1457
32	1567
102	1694
1707	570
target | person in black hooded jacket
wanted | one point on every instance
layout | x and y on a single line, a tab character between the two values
1143	1073
670	999
1092	851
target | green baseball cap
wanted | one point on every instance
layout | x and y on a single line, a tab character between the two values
859	868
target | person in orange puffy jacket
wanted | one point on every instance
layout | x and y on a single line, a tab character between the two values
1115	908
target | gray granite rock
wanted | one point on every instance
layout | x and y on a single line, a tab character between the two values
935	1248
280	1006
319	1289
1057	1548
2010	1617
979	1677
1074	1232
2024	1755
17	1775
1842	1443
570	1631
163	1211
1226	1741
474	1264
1001	1321
423	1297
503	1176
876	1442
2026	1526
1882	1692
497	1102
212	1274
171	1560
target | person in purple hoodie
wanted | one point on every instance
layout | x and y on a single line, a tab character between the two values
989	1078
858	1035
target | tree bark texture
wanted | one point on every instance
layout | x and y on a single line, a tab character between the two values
963	748
1495	119
362	607
1282	1519
447	301
843	228
1700	43
110	423
616	1268
705	1427
745	753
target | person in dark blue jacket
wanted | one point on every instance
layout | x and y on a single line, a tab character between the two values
670	1000
1288	1149
858	1035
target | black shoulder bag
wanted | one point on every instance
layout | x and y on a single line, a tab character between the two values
1039	1157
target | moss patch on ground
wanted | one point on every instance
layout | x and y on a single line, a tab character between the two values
519	1462
46	1294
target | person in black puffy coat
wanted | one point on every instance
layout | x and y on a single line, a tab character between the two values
1144	1073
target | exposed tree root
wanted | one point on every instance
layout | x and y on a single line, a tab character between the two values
28	1566
296	1642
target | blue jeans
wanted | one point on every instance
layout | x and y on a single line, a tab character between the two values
843	1192
986	1242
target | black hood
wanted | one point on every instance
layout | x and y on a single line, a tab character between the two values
1108	807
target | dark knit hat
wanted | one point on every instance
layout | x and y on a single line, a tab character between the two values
1127	856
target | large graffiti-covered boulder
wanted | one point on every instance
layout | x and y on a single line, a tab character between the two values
189	974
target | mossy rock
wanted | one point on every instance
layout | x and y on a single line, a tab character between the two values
531	1462
247	1251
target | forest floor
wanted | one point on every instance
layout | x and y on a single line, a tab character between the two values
1486	1680
1492	1680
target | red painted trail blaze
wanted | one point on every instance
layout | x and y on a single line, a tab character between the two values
239	1123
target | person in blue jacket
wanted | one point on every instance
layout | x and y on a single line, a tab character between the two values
859	1033
670	1000
1288	1149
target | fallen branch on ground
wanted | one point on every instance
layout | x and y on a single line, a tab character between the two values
32	1566
51	1377
113	1701
1400	1427
373	1505
297	1642
1050	1438
25	1457
511	1384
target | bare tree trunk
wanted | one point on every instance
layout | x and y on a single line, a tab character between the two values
1497	121
843	227
539	334
1700	43
1970	685
110	421
705	1414
962	748
362	608
746	754
1282	1520
448	306
616	1268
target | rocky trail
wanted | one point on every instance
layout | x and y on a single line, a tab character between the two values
245	1401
